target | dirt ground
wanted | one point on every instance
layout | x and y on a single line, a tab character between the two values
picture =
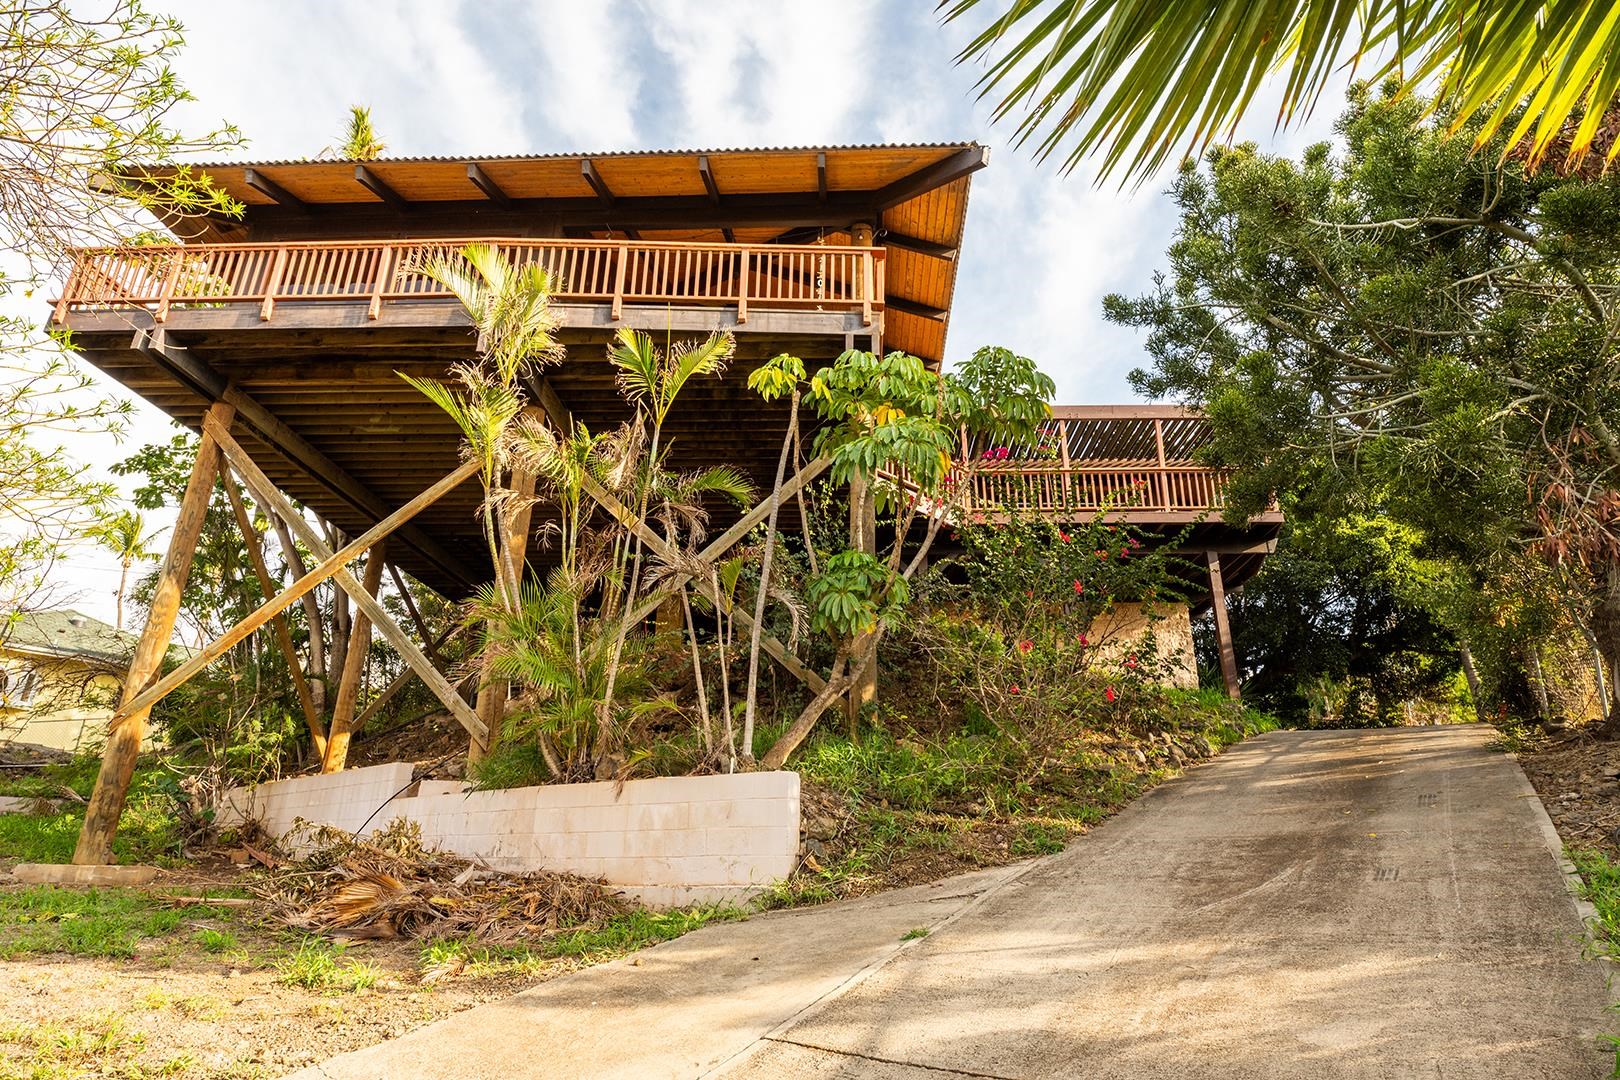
1578	778
175	1008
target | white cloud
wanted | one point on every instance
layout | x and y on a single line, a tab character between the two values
744	75
586	82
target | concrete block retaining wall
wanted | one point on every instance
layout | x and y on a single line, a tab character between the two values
667	841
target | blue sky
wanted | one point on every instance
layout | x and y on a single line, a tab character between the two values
487	78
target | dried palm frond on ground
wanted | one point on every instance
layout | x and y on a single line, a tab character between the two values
388	885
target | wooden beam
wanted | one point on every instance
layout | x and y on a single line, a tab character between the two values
278	624
375	184
911	307
267	494
354	668
261	183
1223	629
123	745
944	252
587	169
964	162
821	177
298	452
773	647
415	613
403	679
329	566
483	182
708	179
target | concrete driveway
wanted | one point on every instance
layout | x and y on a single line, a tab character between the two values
1311	904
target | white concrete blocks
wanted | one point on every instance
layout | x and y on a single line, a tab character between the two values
667	841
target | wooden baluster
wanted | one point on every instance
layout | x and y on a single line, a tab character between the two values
273	284
166	293
618	282
385	265
1164	478
69	288
866	288
742	285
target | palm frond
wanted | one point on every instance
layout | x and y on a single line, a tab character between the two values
1138	82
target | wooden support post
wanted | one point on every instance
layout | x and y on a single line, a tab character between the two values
354	668
1223	629
332	566
124	741
278	625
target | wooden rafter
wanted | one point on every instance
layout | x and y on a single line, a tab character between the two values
483	182
378	187
268	187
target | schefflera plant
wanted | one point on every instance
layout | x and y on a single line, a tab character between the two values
890	428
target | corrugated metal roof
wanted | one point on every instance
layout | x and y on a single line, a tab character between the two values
574	156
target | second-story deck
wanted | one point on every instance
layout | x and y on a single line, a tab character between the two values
831	289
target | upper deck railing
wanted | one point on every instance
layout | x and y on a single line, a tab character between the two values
1130	460
163	278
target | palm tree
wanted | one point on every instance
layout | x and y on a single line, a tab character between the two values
511	310
125	535
360	140
1142	80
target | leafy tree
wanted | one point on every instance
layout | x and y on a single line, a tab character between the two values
87	99
891	427
1139	81
1408	329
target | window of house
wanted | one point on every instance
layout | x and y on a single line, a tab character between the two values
19	685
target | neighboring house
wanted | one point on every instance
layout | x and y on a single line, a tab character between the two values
60	676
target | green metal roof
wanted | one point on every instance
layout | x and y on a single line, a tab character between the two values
68	633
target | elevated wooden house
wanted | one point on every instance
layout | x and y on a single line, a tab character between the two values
282	336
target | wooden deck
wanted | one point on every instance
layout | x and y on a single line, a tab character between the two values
162	279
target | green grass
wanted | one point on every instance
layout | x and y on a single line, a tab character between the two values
914	933
320	965
1600	884
215	941
147	832
88	922
623	934
77	775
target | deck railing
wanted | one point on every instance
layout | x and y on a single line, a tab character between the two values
162	278
1048	489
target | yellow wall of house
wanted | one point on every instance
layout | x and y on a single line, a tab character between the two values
69	711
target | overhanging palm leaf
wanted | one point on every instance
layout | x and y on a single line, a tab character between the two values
1140	81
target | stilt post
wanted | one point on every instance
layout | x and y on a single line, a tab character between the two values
354	667
124	741
1223	628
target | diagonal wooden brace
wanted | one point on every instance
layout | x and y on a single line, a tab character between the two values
768	641
267	494
330	565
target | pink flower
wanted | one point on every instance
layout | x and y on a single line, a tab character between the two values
1082	639
1079	589
1013	689
1025	645
1109	693
1131	662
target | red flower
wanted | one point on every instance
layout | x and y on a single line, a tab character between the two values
1030	593
1013	689
1102	554
1063	536
1109	693
1131	662
1079	589
1025	645
1082	639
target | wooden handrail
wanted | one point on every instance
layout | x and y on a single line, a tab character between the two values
166	277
